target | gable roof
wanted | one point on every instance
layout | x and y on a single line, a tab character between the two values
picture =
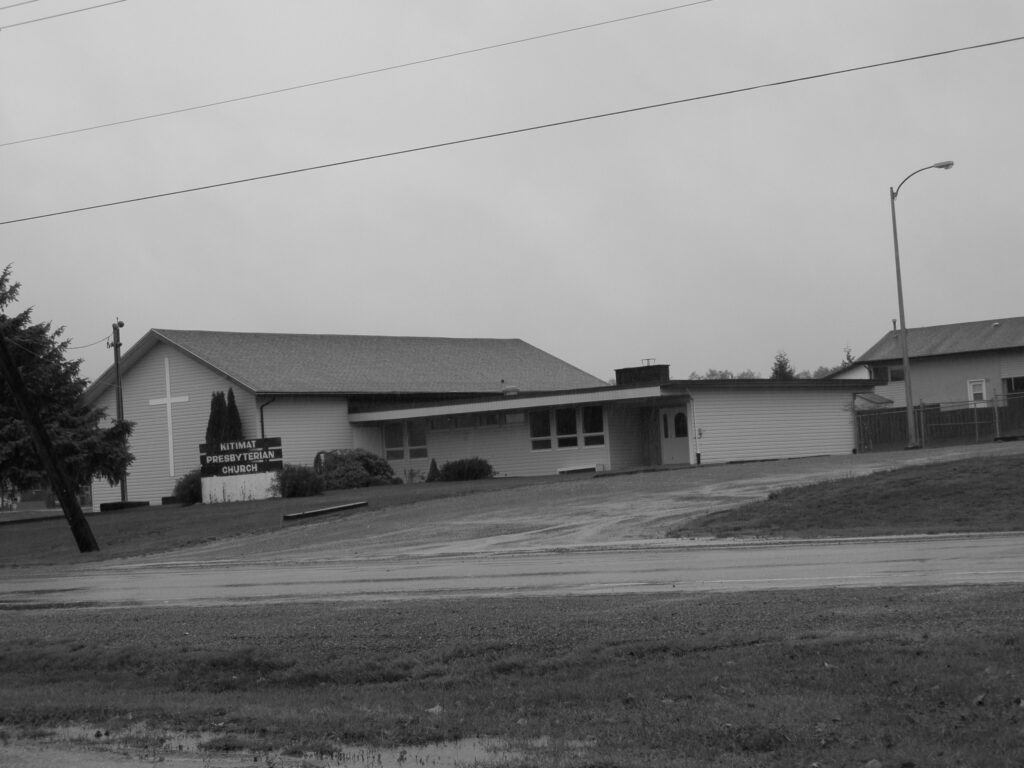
953	339
294	364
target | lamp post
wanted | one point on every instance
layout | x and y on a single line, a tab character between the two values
912	441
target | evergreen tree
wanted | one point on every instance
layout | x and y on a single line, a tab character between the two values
55	389
233	420
217	420
782	370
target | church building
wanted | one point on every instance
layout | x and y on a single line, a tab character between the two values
414	399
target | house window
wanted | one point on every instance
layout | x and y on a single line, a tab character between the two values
1013	385
565	427
593	425
405	436
976	391
417	434
680	424
394	441
896	373
540	430
880	373
570	427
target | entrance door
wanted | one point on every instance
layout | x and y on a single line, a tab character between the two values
675	436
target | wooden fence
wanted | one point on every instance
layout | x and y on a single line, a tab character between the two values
938	424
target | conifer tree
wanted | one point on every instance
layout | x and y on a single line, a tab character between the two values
218	418
782	369
233	420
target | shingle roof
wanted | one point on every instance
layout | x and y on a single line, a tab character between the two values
954	339
282	363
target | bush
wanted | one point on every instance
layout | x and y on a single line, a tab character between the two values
433	474
467	469
188	489
354	468
297	480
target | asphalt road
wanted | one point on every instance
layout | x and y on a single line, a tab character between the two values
942	560
587	538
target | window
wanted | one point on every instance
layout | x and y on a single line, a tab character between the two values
394	441
976	391
540	430
680	424
417	433
593	425
570	427
1013	385
896	373
402	435
565	427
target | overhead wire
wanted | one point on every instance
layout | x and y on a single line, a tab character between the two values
58	15
15	5
516	131
365	73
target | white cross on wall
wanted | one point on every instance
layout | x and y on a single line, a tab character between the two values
168	401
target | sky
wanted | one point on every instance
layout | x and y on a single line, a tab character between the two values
712	232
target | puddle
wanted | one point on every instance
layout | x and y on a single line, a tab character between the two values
79	745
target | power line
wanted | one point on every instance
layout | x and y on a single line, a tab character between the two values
515	131
98	341
365	73
58	15
15	5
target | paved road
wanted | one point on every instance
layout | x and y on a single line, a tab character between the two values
940	560
593	538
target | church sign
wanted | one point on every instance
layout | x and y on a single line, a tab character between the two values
241	457
240	470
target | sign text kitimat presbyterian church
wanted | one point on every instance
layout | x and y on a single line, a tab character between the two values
241	457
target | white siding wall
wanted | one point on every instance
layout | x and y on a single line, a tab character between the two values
1011	364
772	424
151	477
307	425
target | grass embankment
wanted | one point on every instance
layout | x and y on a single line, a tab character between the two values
926	677
148	530
974	495
908	677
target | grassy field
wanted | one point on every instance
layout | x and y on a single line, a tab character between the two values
838	677
984	494
149	530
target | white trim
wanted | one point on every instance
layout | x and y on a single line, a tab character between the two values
509	404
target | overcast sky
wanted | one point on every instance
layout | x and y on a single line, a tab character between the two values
710	233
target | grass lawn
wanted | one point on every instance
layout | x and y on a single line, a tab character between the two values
957	497
832	677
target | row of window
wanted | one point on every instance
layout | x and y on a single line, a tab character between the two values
555	427
567	427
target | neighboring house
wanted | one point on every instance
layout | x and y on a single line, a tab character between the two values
416	399
975	362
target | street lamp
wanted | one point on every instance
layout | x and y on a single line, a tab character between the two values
912	441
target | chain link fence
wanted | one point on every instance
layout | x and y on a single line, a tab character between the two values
940	424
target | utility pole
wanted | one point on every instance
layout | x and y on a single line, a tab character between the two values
59	480
120	398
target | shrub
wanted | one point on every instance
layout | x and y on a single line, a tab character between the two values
297	480
467	469
188	489
356	468
433	474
